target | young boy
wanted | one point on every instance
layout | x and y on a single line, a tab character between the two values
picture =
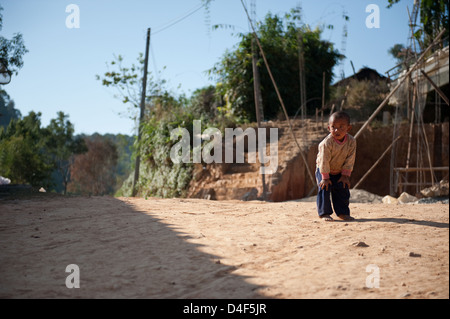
335	162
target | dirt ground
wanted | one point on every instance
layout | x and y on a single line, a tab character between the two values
188	248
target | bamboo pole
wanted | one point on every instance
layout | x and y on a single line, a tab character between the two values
323	99
376	163
436	87
411	125
259	109
279	96
420	169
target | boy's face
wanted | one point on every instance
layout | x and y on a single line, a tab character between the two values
339	128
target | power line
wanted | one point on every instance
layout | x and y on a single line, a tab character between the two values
186	15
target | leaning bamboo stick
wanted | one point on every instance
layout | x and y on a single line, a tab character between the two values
420	169
442	95
376	163
411	125
311	176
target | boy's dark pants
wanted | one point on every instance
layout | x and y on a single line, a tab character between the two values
340	195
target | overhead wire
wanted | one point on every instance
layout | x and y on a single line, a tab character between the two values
179	19
166	26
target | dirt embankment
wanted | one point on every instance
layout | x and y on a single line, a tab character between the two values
292	180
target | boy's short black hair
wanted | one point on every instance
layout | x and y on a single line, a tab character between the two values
340	115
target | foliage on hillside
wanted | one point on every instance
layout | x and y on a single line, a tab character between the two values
282	40
159	176
36	155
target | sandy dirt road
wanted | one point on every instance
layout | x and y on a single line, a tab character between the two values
186	248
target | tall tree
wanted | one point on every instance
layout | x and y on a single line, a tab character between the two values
433	19
94	171
62	146
8	111
279	38
11	51
38	155
23	156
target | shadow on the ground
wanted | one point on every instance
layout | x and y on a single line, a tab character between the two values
120	252
405	221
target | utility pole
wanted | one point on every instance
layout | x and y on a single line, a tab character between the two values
141	116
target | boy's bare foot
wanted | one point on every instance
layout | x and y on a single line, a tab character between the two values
346	217
327	218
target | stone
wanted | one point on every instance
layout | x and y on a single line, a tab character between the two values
405	198
389	200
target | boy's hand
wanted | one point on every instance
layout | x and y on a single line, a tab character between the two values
345	181
324	183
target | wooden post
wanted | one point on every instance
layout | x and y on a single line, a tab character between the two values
301	67
332	108
323	99
141	116
347	88
317	117
411	125
258	106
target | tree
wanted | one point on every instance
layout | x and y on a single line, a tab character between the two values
23	157
433	19
7	110
362	97
11	51
124	144
398	52
39	156
62	146
93	172
206	101
279	38
127	82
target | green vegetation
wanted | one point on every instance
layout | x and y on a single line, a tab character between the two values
433	19
228	104
38	155
280	39
11	51
53	158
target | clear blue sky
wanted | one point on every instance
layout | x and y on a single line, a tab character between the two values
59	69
